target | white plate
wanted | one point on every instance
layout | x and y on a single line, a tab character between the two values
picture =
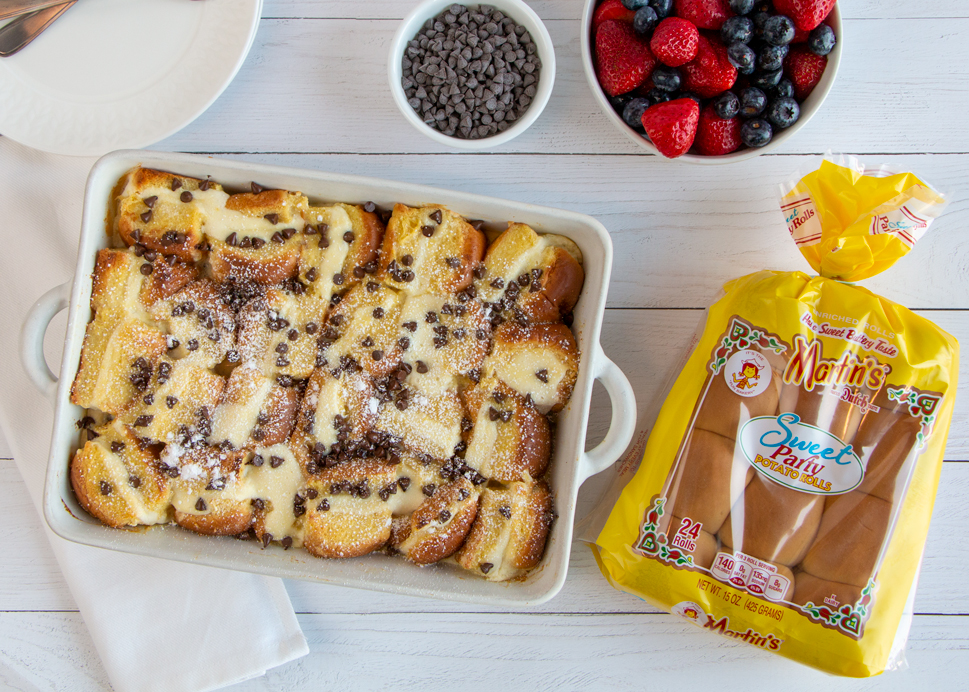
115	74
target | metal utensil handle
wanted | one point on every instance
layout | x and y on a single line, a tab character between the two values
15	8
623	424
25	28
32	338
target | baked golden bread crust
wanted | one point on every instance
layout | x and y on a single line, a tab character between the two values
307	376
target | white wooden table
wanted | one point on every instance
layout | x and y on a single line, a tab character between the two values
313	93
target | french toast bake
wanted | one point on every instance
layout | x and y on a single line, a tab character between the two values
332	377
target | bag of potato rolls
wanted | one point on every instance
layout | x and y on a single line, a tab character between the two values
785	492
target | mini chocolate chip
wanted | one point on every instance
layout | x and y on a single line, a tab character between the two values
106	488
257	460
443	516
288	541
505	511
200	505
186	196
378	313
256	188
289	233
275	462
143	421
282	347
410	326
486	567
146	217
117	447
421	367
542	375
267	538
348	236
258	243
506	416
404	483
259	434
431	317
176	183
436	215
204	185
493	413
171	401
403	343
367	342
134	481
369	207
480	271
257	504
407	260
324	505
311	328
149	399
338	279
277	238
497	282
147	269
428	231
273	219
408	276
377	354
193	344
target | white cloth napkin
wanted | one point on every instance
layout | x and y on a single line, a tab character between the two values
157	625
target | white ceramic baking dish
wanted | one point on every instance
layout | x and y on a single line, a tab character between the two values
571	465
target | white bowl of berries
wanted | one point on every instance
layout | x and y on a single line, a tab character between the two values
711	81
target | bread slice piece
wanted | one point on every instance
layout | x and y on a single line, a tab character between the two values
441	339
126	285
509	533
118	480
429	425
365	325
254	410
429	250
540	362
280	494
536	277
117	359
210	495
438	527
348	518
273	336
201	325
510	441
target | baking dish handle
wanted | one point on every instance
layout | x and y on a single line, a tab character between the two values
32	338
623	423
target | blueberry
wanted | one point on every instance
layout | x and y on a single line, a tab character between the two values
663	7
666	78
742	57
742	6
760	21
783	112
756	132
633	113
822	40
658	96
634	4
737	30
771	58
753	101
645	20
619	102
784	89
727	105
766	80
779	30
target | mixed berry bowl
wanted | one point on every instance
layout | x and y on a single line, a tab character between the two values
710	81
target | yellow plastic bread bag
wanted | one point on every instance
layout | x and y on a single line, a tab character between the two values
785	492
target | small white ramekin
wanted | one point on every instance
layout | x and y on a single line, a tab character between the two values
517	10
809	107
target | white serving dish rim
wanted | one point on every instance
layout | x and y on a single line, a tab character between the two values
810	106
570	465
525	16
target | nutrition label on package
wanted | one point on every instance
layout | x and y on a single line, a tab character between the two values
755	576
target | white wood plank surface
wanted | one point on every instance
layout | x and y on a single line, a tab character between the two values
320	85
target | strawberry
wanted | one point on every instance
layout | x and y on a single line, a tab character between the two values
800	36
706	14
671	126
612	9
806	14
675	41
709	73
623	59
716	136
804	69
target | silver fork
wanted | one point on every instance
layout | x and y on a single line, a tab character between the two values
25	28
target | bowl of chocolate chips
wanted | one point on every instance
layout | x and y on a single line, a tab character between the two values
471	76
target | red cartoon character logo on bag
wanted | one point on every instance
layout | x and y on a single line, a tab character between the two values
747	373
